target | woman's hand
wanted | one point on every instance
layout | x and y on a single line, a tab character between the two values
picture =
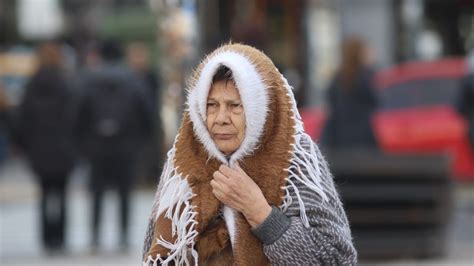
234	188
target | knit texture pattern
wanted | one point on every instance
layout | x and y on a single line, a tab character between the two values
327	241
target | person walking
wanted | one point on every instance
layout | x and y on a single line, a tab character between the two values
138	60
44	128
114	117
5	123
352	100
466	99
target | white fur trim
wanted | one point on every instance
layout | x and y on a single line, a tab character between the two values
229	217
253	95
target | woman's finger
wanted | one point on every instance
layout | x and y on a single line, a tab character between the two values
217	194
218	186
214	184
239	169
227	171
240	172
220	177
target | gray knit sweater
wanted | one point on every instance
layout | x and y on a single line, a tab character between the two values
328	240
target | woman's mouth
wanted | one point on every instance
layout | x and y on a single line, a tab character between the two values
223	136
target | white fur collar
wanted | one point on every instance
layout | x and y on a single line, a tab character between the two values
253	95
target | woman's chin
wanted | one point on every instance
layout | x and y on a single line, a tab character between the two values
227	151
227	147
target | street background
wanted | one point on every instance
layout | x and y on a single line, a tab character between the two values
420	54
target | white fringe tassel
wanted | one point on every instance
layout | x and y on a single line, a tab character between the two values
174	195
311	176
286	200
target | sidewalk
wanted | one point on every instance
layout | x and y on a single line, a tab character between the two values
19	228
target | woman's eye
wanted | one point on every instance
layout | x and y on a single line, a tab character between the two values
237	108
211	105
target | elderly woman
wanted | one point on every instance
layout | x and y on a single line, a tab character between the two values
243	183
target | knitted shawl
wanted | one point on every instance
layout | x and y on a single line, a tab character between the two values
188	225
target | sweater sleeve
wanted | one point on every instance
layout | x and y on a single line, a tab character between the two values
327	240
274	226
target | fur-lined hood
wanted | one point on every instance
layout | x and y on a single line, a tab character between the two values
252	74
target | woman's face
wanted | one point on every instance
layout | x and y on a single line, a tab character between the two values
225	116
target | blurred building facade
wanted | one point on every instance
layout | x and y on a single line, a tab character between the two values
303	36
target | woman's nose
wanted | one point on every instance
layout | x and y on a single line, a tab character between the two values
223	115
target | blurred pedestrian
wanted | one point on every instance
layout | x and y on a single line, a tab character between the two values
44	128
351	100
91	57
114	117
466	102
5	124
138	56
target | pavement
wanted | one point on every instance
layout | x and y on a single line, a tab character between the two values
19	227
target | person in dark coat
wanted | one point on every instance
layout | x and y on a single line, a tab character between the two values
5	123
466	101
352	101
138	56
44	128
114	117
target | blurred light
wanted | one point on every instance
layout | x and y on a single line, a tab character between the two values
412	10
428	45
39	19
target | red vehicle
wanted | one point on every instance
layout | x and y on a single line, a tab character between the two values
417	112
